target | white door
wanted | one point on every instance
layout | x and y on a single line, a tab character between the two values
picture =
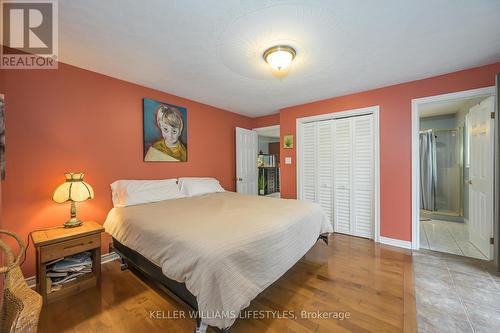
342	175
363	176
481	176
308	165
336	170
325	167
246	161
353	176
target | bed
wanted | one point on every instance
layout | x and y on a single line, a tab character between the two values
217	251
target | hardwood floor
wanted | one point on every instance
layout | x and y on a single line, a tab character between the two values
372	282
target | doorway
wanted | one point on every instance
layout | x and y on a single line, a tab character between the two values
452	166
268	161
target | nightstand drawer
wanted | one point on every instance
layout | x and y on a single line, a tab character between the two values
69	247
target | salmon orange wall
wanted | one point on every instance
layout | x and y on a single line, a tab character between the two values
264	121
72	119
395	137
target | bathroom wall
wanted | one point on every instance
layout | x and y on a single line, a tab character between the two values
446	121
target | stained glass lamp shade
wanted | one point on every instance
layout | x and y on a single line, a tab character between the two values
74	189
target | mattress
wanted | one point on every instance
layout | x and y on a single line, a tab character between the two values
226	247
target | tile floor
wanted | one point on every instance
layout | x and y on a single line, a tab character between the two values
449	237
455	293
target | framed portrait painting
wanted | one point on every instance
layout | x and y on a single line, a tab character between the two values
165	132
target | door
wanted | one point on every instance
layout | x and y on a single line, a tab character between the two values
308	164
246	161
336	170
363	176
325	167
353	176
481	176
496	220
342	175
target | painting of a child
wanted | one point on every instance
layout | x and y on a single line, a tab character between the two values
165	132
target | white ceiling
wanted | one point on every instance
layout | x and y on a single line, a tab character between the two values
211	51
444	108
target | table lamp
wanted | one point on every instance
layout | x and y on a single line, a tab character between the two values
74	189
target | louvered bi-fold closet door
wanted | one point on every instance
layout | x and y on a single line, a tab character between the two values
362	176
342	175
308	137
336	160
325	167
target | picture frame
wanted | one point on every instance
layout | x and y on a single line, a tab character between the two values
288	141
165	132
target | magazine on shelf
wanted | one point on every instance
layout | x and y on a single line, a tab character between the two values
69	278
67	269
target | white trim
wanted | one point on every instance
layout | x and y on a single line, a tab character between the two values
415	156
111	256
375	110
395	242
105	258
31	281
339	114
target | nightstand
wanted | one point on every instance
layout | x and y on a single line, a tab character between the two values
52	244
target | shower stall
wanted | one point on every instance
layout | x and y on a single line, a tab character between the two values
441	172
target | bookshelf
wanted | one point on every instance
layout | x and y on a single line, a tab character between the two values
269	174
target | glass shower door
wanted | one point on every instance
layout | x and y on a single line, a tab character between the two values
449	169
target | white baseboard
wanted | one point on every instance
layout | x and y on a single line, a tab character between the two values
31	281
109	257
396	242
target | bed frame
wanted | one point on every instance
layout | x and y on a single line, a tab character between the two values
131	258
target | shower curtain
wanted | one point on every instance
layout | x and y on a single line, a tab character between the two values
428	170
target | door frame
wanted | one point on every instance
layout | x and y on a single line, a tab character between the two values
374	110
257	129
415	148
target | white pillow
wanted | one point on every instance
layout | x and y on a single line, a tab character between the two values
135	192
192	186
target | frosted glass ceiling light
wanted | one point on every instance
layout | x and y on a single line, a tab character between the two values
279	57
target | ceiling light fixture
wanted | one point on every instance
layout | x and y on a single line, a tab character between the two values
279	57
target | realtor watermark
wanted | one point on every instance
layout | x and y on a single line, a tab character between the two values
250	314
29	35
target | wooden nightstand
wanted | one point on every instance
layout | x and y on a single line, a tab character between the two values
52	244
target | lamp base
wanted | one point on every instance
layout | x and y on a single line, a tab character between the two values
72	222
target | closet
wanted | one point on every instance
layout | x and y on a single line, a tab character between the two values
336	170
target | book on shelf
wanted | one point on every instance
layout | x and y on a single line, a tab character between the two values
266	160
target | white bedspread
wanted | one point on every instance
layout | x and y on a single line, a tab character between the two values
226	247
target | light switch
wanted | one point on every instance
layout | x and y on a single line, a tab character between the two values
288	160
